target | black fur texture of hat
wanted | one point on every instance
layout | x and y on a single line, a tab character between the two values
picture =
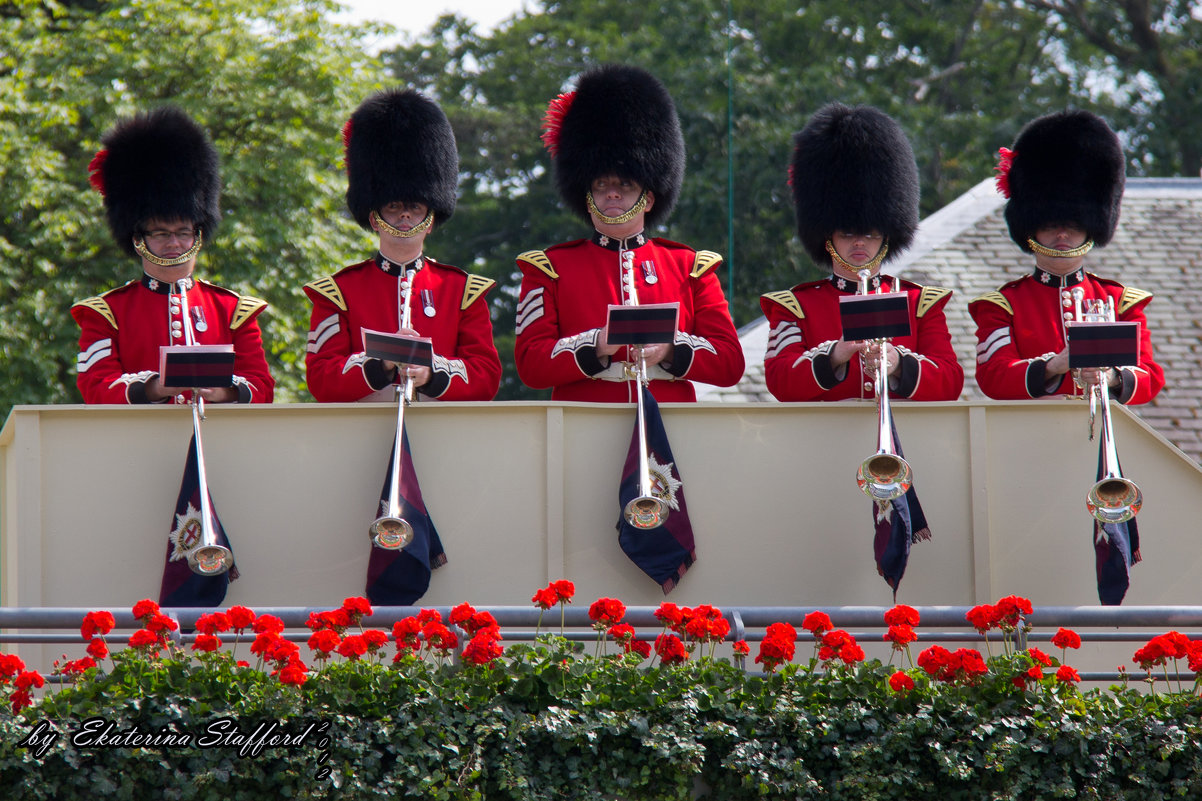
853	170
157	165
1066	167
621	121
400	147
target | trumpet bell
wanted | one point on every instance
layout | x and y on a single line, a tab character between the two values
210	560
1114	499
391	533
646	512
884	476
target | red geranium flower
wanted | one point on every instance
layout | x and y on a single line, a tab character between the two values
1195	656
28	678
483	648
670	615
206	643
1011	609
900	635
1066	638
268	624
670	649
20	699
405	631
356	608
77	667
565	590
478	622
324	642
545	598
934	659
1067	675
161	623
293	674
375	640
10	665
213	623
98	649
742	648
622	633
144	638
983	617
816	623
606	612
902	615
900	682
1174	644
640	647
263	643
440	638
1040	657
462	613
283	651
241	617
429	616
145	608
353	646
100	622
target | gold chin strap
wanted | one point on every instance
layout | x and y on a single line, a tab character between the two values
621	219
424	225
144	252
870	265
1042	250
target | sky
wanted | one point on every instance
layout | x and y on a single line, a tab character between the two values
416	16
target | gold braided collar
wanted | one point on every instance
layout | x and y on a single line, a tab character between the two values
870	265
1043	250
391	230
621	219
144	252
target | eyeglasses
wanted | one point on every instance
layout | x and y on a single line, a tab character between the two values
160	237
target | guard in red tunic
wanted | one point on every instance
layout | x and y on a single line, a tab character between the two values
618	156
855	188
402	169
1064	179
159	176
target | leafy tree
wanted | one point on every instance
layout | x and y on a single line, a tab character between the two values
271	80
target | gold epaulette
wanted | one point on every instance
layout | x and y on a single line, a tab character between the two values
101	307
929	296
787	299
1130	297
476	286
538	258
705	261
327	287
246	308
998	298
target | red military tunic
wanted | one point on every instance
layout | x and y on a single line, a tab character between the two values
805	326
565	295
121	332
1021	326
446	304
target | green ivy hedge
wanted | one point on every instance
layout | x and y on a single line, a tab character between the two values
548	722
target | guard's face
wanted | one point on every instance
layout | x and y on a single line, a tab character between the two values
857	248
403	214
168	239
1061	236
615	196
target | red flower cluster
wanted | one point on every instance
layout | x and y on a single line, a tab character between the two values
12	669
816	623
606	613
1066	638
96	624
557	592
670	649
777	647
1006	614
900	682
702	623
838	644
485	643
963	666
900	636
902	615
1170	645
423	631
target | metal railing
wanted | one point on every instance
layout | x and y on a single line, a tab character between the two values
939	624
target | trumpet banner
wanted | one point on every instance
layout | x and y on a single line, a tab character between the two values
898	524
400	578
667	552
1116	549
181	586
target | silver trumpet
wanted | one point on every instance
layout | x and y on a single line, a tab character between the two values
884	475
390	531
209	558
1113	499
647	510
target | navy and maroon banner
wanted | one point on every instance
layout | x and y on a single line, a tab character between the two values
1102	344
666	552
1116	549
649	324
882	315
196	365
398	348
401	577
898	524
182	587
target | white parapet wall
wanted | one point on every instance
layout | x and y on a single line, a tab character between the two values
523	493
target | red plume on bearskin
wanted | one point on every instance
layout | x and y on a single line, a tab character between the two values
96	170
346	141
553	121
1004	163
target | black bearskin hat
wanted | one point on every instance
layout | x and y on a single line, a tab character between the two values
157	165
400	147
853	170
620	120
1066	167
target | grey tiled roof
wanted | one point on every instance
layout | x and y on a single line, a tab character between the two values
965	246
